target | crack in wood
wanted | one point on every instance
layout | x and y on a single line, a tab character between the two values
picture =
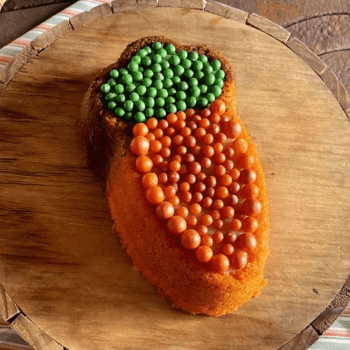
306	18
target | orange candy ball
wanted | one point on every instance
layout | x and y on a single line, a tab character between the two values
246	242
169	191
250	191
204	253
220	263
235	224
228	249
218	106
182	211
176	225
250	224
149	180
238	260
165	210
240	145
140	129
207	220
207	240
144	164
190	239
221	192
155	146
152	123
139	145
251	207
195	208
245	161
155	195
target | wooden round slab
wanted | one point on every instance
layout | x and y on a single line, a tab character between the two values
62	263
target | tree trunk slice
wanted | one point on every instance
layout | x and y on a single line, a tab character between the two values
60	260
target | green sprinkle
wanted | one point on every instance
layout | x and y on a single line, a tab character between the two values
219	82
149	112
160	102
112	105
181	95
171	108
216	65
203	58
156	68
170	100
111	82
207	68
136	59
121	98
163	93
157	58
158	76
133	66
220	74
182	54
168	73
170	49
147	82
114	74
146	61
140	117
182	86
111	96
157	45
158	84
149	102
215	90
174	60
140	105
152	92
181	105
186	63
119	112
148	73
210	97
160	112
137	76
198	75
195	91
128	116
123	71
171	91
197	65
105	88
193	82
191	101
202	102
188	74
130	88
127	79
203	89
141	90
142	53
179	70
193	56
128	105
165	64
134	97
167	83
176	80
162	53
209	79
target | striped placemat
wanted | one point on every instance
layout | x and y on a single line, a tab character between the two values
337	337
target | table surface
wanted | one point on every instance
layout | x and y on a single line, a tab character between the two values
322	26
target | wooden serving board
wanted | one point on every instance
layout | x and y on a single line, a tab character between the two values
60	260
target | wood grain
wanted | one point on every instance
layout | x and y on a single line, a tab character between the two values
191	4
123	5
59	258
226	11
85	17
302	341
8	309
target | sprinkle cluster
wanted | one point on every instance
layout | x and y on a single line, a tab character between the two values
197	171
158	80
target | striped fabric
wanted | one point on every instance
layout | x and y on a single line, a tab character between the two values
335	338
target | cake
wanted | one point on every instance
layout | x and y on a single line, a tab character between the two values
184	182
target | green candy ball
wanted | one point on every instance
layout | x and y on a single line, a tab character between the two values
207	68
193	56
203	88
149	102
195	91
197	65
181	95
146	61
134	97
146	82
111	82
220	74
203	59
111	96
168	73
170	49
128	105
182	54
141	90
111	105
114	74
219	82
170	100
209	79
133	66
157	58
188	74
186	63
156	68
136	59
119	112
158	76
202	102
171	108
160	112
123	71
167	83
210	97
152	92
130	88
157	45
140	105
176	80
165	64
215	90
148	50
160	102
199	75
128	116
174	60
193	82
121	98
158	84
148	73
127	79
140	117
149	112
162	53
182	86
191	101
179	70
142	53
105	88
171	91
137	76
181	105
163	93
215	64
